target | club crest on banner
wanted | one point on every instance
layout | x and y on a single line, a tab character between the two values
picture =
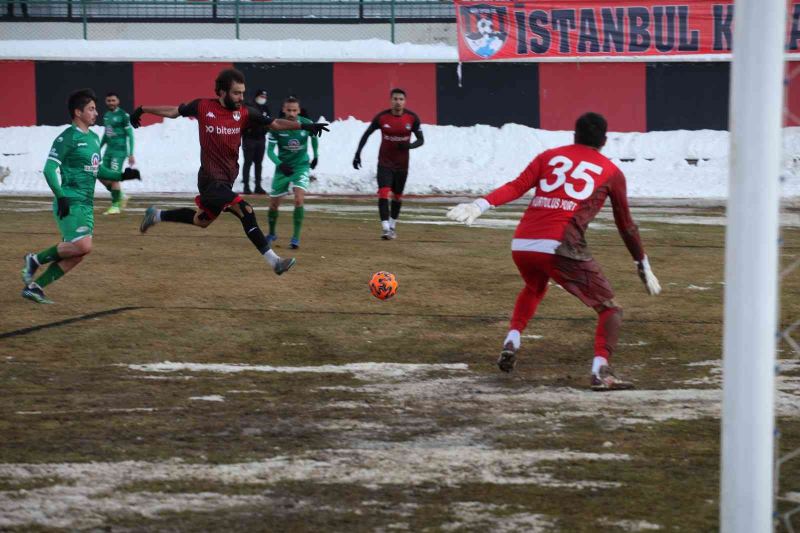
484	28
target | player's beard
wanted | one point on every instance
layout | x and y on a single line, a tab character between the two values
230	104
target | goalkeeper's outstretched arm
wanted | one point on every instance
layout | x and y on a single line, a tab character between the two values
467	213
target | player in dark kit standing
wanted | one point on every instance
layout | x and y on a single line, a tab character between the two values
254	142
396	125
571	185
220	122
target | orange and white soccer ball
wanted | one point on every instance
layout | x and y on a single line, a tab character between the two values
383	285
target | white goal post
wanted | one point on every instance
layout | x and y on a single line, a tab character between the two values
751	267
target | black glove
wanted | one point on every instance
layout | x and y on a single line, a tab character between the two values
63	207
316	128
402	145
314	163
136	117
357	162
131	174
286	169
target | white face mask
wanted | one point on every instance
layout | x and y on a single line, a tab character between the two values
261	101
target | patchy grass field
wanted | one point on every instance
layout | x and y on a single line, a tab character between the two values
177	384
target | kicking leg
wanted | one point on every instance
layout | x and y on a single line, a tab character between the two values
182	215
244	212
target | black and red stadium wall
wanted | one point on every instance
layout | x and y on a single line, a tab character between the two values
634	96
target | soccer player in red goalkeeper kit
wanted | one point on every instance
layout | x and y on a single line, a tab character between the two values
220	124
571	185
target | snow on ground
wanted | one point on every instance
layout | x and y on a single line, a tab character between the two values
84	494
227	50
359	370
454	160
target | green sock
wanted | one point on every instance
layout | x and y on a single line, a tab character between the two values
272	217
299	214
116	196
52	273
47	256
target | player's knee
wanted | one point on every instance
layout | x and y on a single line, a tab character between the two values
84	247
384	193
608	305
202	220
248	216
397	197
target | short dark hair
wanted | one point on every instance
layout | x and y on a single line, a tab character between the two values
397	90
291	100
590	129
80	99
226	78
112	93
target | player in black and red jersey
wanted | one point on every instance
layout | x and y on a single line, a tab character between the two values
220	122
396	125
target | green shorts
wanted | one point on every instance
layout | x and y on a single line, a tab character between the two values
299	178
114	161
78	224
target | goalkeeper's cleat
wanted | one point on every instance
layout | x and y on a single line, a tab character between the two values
283	265
34	293
386	235
30	268
149	219
508	358
113	210
392	234
294	243
606	380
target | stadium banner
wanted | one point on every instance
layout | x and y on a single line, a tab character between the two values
521	30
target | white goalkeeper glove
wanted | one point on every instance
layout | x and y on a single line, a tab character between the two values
648	278
467	213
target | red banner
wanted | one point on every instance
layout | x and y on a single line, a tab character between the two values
490	30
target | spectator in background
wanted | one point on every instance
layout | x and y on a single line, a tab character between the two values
253	144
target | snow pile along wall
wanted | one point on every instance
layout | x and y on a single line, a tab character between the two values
463	160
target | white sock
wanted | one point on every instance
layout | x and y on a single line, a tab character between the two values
158	215
392	223
513	338
385	224
271	257
597	362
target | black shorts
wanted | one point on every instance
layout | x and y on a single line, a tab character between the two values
215	197
394	179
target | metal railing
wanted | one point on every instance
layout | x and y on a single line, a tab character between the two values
236	12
